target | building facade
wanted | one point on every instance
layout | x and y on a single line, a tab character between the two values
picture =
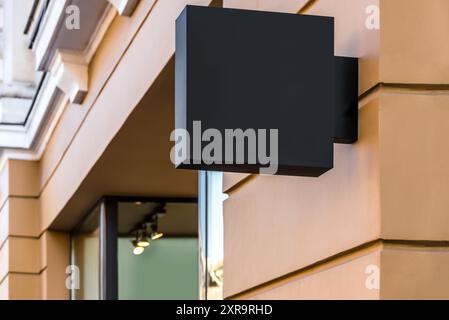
87	108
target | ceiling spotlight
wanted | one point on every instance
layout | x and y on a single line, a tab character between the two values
142	240
154	231
137	250
147	230
156	235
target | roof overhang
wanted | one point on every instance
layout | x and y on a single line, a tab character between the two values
63	56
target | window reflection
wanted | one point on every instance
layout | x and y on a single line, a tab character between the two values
211	236
86	256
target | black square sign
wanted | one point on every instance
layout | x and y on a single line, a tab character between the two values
255	92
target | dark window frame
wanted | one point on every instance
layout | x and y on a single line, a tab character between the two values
108	226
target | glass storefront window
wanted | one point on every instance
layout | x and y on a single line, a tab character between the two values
85	253
167	268
210	201
152	248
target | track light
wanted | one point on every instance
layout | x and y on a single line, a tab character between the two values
137	250
150	222
142	240
156	235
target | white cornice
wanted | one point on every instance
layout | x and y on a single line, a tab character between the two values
124	7
42	135
28	136
70	73
67	71
99	33
48	32
52	29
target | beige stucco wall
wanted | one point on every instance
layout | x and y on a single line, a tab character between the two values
325	281
390	185
285	237
33	257
271	222
136	48
32	261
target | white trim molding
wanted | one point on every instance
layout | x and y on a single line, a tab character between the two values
65	81
46	106
125	7
70	72
47	34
